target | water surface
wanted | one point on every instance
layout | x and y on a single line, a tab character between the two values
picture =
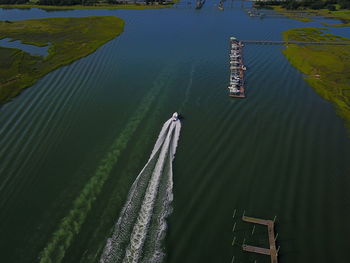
282	151
31	49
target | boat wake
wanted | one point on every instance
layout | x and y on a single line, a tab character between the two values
141	226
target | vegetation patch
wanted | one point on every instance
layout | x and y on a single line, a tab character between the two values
300	16
68	38
326	67
304	10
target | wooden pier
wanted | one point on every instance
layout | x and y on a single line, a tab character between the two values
276	42
258	250
272	251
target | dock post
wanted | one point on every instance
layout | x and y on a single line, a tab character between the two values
233	241
243	242
243	213
234	227
253	229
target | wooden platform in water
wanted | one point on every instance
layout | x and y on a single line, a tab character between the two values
272	251
258	250
240	96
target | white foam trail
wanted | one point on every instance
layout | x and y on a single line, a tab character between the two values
158	255
161	137
138	236
139	223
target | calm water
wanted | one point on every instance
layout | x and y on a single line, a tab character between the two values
281	152
33	50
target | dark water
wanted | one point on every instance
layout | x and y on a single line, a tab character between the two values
281	152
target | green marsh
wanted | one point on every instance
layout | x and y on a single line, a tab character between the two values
68	38
326	67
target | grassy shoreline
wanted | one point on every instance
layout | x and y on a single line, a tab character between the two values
69	39
101	6
291	14
343	15
326	67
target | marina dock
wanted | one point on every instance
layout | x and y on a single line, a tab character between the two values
236	86
272	251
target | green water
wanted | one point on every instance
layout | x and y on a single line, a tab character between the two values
72	145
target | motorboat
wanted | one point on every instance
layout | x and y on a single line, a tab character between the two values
175	116
233	90
235	79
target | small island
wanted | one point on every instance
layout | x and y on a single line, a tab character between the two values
68	39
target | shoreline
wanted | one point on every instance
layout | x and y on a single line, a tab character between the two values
325	67
44	32
308	14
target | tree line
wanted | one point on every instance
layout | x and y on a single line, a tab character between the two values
78	2
307	4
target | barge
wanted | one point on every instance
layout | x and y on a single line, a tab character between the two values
237	68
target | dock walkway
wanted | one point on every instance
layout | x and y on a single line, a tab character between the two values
272	252
276	42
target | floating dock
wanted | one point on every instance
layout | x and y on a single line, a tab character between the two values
236	87
272	251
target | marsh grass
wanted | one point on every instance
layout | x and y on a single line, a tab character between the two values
68	38
343	15
326	67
